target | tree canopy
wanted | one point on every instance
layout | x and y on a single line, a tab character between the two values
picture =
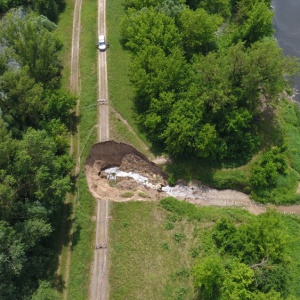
34	161
204	75
48	8
249	261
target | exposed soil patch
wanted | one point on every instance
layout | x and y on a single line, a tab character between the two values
128	159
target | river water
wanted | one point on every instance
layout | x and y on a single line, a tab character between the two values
287	26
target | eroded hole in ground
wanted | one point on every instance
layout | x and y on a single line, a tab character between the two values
127	159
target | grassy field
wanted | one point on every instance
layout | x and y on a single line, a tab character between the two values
153	250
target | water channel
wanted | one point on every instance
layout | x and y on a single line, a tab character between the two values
287	30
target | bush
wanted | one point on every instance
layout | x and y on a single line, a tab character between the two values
127	194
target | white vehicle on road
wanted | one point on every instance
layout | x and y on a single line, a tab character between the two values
101	43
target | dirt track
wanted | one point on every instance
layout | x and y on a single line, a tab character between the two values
75	89
103	121
98	289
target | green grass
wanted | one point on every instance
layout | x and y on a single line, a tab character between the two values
153	250
82	248
121	92
290	123
64	33
120	133
154	246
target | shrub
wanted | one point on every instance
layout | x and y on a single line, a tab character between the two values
127	194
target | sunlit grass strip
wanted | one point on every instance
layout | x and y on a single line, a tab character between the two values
82	244
121	92
64	33
120	133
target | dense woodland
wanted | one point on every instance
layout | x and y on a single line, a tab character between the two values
35	164
208	76
203	73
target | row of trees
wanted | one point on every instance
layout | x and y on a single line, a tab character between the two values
34	161
203	73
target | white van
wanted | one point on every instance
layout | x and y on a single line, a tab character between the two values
101	43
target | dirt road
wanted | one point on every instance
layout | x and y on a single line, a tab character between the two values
98	289
103	121
99	277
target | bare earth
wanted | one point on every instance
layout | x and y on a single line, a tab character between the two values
129	159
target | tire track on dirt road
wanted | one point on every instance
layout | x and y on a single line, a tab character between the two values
98	288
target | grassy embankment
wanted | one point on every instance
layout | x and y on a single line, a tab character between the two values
120	91
83	202
82	244
64	33
153	251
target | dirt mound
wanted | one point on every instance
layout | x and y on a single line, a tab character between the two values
113	154
128	159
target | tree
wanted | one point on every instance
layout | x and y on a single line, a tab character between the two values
21	100
222	7
49	8
237	281
43	176
149	27
208	275
44	292
265	172
33	45
58	105
12	260
198	30
255	21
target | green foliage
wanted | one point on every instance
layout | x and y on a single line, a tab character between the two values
21	100
33	45
237	283
44	292
271	179
34	164
147	27
208	276
255	21
143	195
221	7
127	194
252	260
266	171
48	8
198	31
204	77
58	106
